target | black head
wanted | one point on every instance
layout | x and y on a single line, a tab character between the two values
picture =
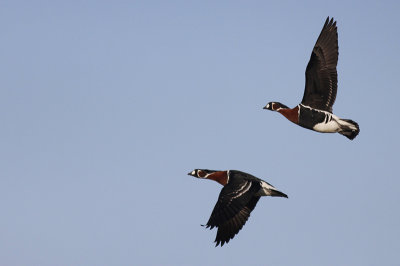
201	173
275	106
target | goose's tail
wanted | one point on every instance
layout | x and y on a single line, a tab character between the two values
349	128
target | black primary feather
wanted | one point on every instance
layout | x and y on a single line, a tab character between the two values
321	74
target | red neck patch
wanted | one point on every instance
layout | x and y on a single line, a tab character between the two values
220	176
291	114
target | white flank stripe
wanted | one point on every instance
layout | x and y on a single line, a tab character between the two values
266	185
308	107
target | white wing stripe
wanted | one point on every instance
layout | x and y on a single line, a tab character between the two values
243	189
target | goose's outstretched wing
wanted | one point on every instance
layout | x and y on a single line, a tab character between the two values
321	74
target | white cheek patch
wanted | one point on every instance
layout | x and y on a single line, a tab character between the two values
274	108
267	106
193	172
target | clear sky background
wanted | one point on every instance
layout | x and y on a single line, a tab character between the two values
105	106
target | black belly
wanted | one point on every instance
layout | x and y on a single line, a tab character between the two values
308	118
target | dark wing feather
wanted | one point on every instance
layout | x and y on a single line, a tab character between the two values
321	74
229	229
235	202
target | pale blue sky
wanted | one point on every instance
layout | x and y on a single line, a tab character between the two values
106	105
